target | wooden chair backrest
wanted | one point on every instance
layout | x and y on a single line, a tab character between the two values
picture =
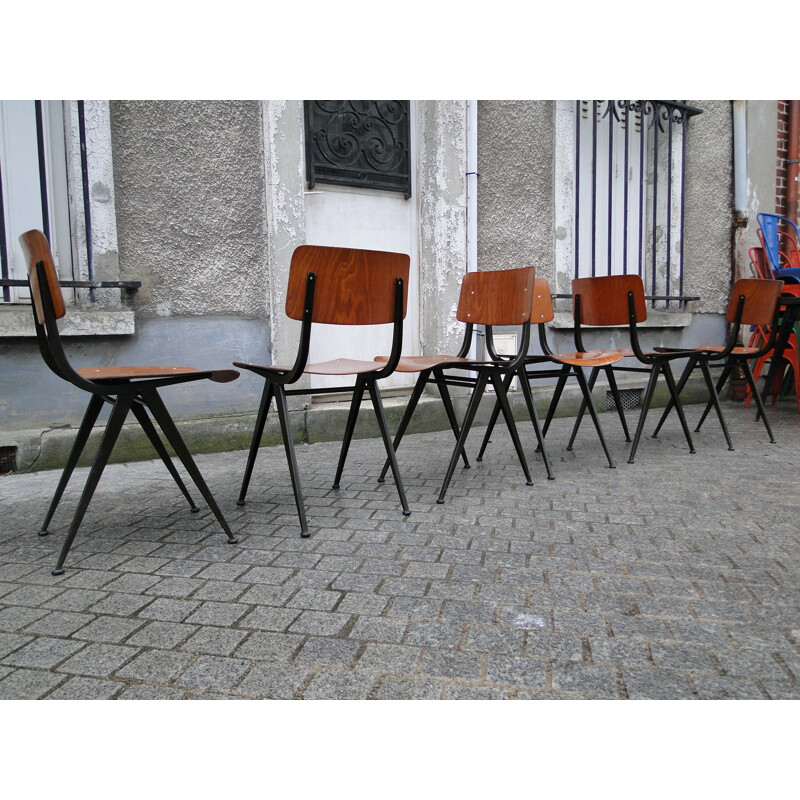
542	307
761	297
36	248
353	287
496	297
604	300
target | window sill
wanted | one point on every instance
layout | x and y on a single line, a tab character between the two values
655	319
17	322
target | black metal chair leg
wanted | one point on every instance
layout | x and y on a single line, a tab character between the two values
472	409
748	373
500	391
377	404
85	429
668	377
444	393
258	432
582	410
715	400
537	428
587	396
648	396
141	415
487	436
687	371
557	392
154	402
727	369
612	385
416	394
352	418
113	427
291	458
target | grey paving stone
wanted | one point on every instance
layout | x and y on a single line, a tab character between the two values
145	692
161	634
319	623
279	682
579	622
332	652
266	646
744	662
267	618
42	653
378	629
169	609
359	603
175	587
154	666
415	608
686	657
109	629
212	613
410	689
456	611
75	599
120	605
59	623
390	658
782	690
81	688
565	647
132	583
488	639
656	684
329	684
464	692
28	684
452	664
514	671
314	599
98	660
434	634
527	619
713	687
585	679
213	673
267	595
32	595
213	640
9	642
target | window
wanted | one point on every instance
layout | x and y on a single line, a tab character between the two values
358	143
33	187
628	176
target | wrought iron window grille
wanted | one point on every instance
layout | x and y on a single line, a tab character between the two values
630	169
359	143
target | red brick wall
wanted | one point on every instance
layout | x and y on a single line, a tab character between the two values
783	149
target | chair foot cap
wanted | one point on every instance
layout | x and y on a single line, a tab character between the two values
44	532
440	501
304	534
406	513
240	502
57	572
731	449
381	480
529	483
194	510
335	486
479	458
551	477
232	540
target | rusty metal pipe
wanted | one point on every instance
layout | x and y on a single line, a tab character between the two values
792	160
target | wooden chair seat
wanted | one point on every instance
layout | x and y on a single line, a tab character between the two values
134	373
126	389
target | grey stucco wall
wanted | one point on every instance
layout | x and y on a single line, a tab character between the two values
515	185
191	220
709	205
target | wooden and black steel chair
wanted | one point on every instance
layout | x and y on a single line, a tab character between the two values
125	389
753	302
617	300
570	365
336	286
496	297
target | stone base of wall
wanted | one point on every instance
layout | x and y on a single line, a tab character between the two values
48	449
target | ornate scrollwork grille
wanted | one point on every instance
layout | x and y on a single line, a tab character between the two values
358	143
629	191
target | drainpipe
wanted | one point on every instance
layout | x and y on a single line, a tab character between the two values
472	196
791	162
740	200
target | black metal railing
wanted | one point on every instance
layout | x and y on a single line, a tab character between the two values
630	161
359	143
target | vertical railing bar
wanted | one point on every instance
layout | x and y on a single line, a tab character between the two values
684	120
654	237
625	193
594	184
577	187
3	246
669	201
642	179
37	104
87	212
610	181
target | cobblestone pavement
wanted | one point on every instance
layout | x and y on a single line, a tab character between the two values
675	577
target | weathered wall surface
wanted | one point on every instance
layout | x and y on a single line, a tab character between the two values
190	201
515	185
709	205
